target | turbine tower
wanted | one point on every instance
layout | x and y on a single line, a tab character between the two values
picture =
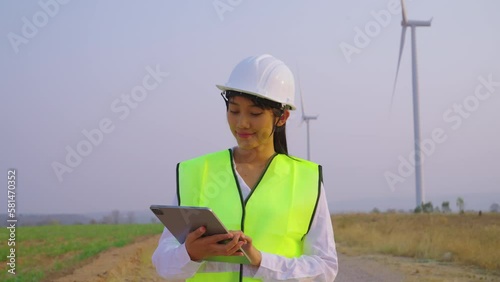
413	24
306	119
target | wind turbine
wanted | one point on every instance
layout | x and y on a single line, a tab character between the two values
413	24
306	119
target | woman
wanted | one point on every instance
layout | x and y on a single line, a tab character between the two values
275	203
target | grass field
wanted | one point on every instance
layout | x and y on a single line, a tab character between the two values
43	250
466	239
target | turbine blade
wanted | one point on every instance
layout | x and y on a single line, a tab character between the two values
401	47
403	8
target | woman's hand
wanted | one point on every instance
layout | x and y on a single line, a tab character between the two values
252	252
199	247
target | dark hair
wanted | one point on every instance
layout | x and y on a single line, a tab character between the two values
279	138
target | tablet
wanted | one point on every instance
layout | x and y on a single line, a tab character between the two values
180	221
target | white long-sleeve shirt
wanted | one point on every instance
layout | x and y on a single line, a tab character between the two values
318	263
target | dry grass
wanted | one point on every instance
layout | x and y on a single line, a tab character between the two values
467	239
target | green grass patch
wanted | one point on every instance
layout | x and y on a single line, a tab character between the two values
43	250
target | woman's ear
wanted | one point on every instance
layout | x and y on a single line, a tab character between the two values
283	118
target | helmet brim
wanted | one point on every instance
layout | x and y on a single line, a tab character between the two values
225	88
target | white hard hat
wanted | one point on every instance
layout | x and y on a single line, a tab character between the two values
263	76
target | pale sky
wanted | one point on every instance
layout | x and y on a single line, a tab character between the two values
69	68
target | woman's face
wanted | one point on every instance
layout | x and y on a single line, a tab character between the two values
251	125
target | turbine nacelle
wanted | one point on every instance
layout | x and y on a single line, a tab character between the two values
416	23
406	22
308	118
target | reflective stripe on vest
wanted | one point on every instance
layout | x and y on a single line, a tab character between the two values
276	215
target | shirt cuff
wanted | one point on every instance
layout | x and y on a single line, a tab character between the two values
188	265
266	265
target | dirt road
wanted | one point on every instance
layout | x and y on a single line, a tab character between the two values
126	264
133	263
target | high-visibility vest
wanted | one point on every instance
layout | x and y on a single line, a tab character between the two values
276	215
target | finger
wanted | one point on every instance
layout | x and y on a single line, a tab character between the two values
196	234
242	236
217	238
236	232
246	238
228	248
232	243
236	250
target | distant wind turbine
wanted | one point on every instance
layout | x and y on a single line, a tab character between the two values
416	119
306	119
